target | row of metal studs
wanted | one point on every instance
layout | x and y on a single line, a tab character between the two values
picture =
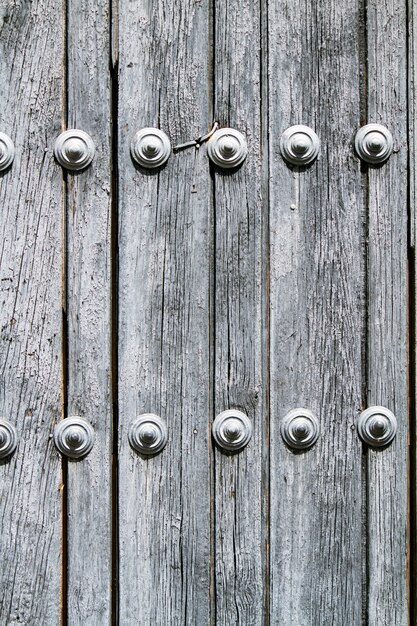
227	148
232	430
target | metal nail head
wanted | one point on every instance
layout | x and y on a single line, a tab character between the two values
8	438
377	426
374	143
300	429
148	434
6	152
227	148
74	437
74	150
150	148
300	145
232	430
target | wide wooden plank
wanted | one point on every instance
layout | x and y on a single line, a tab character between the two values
387	470
164	258
316	314
88	311
31	77
240	304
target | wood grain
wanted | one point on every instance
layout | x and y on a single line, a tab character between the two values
387	470
31	77
317	314
164	364
88	311
240	303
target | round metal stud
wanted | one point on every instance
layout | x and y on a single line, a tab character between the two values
150	148
6	152
74	150
232	430
148	434
300	429
377	426
227	148
374	143
8	439
74	437
300	145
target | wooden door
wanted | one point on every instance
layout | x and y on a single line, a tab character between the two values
278	290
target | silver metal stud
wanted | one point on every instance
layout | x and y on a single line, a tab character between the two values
300	429
8	438
377	426
227	148
148	434
299	145
74	437
374	143
232	430
6	152
150	148
74	150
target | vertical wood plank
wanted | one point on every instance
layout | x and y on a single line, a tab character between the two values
88	310
317	314
164	244
239	296
31	77
387	315
412	163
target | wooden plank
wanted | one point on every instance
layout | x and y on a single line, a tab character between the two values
31	76
317	314
164	252
387	470
240	303
88	309
412	151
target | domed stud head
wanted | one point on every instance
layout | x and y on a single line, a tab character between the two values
227	148
6	152
374	143
300	429
148	434
74	437
74	150
8	439
232	430
150	148
299	145
377	426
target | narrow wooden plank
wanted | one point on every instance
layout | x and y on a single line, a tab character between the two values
88	219
164	244
412	151
31	77
239	349
387	315
317	314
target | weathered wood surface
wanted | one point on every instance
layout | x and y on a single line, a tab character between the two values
164	361
316	315
412	151
387	357
31	77
240	318
88	314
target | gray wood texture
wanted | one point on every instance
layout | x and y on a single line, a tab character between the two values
31	77
240	317
164	360
263	289
412	148
316	315
387	350
88	314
